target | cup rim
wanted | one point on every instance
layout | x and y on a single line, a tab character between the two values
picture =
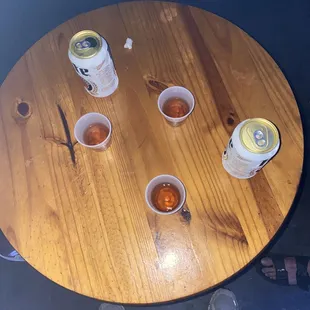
176	119
181	204
101	143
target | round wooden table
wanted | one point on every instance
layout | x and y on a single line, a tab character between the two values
79	217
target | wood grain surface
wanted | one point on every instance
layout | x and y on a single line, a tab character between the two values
79	217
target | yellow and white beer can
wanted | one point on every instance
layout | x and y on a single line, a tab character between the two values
90	56
253	143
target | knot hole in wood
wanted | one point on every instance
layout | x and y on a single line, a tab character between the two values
21	111
155	85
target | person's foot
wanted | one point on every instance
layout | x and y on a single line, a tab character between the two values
223	299
290	270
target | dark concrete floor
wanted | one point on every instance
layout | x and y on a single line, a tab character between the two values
283	28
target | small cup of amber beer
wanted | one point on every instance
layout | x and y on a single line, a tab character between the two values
94	131
165	194
176	103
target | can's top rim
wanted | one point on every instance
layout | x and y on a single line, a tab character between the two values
85	44
259	136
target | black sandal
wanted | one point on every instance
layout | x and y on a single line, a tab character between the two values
302	276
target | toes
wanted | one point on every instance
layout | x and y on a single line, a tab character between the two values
270	274
268	270
266	261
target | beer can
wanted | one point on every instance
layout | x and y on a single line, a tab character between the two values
253	143
90	56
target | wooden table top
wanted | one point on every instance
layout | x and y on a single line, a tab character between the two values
79	217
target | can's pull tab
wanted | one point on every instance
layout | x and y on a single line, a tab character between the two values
260	138
87	43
